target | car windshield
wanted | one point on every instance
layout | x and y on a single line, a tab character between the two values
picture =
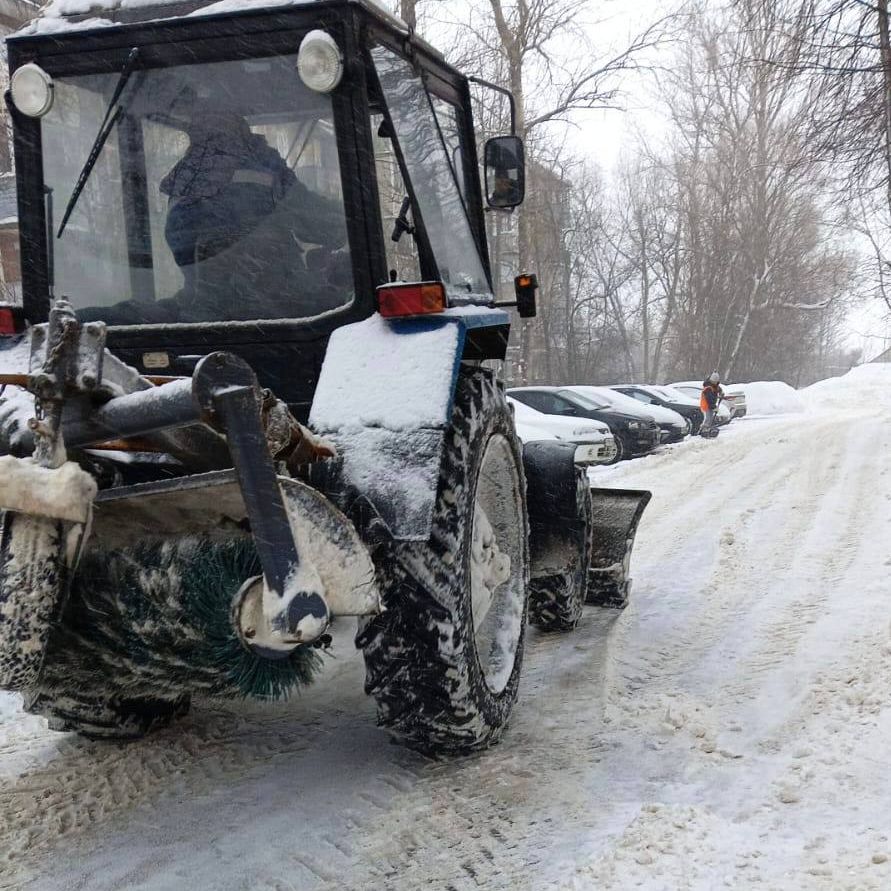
216	197
587	401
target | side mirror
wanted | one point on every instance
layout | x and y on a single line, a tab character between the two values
505	162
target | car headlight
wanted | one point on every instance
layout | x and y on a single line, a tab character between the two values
634	425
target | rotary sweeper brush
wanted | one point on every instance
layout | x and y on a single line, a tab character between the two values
261	403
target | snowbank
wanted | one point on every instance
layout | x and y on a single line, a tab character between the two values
771	398
868	384
863	385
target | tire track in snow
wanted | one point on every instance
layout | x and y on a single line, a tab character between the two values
821	556
466	824
317	799
73	786
718	576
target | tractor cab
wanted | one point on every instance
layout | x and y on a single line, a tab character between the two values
246	180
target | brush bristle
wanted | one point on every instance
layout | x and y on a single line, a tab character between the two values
157	620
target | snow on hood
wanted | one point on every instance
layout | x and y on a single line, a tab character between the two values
558	427
632	406
531	433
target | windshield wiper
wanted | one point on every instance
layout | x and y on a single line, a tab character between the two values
112	115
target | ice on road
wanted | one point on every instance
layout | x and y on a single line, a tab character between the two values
730	729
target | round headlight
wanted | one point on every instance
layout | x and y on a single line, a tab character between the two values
32	90
320	62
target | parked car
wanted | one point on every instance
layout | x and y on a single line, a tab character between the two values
635	433
595	443
665	397
673	427
693	389
735	397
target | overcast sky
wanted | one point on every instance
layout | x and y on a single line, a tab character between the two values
603	136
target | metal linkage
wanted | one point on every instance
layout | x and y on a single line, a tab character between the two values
66	359
228	396
224	394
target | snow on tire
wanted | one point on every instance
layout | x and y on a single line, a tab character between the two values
443	661
556	600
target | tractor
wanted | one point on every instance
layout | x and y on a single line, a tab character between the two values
252	390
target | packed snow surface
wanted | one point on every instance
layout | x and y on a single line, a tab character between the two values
729	729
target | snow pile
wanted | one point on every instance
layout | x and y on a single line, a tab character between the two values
771	398
861	387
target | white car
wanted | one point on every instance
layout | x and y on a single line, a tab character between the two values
594	442
672	427
693	389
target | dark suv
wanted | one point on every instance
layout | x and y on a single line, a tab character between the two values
648	395
634	435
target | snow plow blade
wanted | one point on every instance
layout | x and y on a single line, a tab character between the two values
616	514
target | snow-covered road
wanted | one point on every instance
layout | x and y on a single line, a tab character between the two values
730	729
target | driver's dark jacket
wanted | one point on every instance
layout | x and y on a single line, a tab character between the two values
240	226
237	225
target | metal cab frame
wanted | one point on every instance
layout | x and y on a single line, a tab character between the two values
286	354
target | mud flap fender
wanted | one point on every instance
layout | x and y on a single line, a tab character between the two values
556	524
384	398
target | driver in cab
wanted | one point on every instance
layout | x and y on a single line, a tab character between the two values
238	225
236	222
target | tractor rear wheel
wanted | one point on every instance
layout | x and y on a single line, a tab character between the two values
443	660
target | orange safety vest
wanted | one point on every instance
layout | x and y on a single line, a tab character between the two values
703	402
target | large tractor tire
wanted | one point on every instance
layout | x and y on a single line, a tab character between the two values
443	661
556	599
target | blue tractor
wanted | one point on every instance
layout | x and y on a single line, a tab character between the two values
248	391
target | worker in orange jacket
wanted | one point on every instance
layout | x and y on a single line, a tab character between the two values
712	394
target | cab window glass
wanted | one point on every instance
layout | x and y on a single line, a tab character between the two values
433	181
449	125
403	263
216	196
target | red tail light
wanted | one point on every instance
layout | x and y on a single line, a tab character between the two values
7	321
414	299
